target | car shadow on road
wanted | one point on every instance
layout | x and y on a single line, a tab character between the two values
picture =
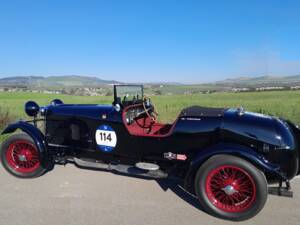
172	184
176	186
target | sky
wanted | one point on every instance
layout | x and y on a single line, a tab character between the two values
150	40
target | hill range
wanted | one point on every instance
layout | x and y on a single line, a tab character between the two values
88	81
72	84
261	81
54	81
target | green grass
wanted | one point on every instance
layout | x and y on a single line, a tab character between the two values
279	103
14	102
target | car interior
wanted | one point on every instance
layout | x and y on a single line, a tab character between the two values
139	113
138	122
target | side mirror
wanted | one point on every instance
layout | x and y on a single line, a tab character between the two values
32	108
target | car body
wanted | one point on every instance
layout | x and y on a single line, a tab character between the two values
125	137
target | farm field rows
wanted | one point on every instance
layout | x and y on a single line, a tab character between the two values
279	103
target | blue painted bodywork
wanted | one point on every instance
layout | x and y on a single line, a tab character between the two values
265	141
237	150
94	112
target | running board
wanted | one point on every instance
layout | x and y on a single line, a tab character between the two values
124	169
280	191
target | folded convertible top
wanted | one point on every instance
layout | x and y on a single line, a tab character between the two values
198	111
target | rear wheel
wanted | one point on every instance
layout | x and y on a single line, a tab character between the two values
20	156
231	188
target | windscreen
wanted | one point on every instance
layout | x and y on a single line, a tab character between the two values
130	93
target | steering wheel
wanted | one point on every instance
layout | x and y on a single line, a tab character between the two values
150	109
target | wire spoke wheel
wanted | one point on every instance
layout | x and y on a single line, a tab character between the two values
22	156
230	189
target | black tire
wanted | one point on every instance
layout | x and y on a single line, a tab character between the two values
227	203
11	161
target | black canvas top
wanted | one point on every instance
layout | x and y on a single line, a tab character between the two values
198	111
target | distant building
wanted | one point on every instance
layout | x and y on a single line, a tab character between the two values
268	88
295	88
240	89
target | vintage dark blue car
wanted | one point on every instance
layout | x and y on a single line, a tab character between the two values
226	157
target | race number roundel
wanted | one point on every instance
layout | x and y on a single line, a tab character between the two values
106	138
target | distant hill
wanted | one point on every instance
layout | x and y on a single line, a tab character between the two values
55	81
84	85
261	81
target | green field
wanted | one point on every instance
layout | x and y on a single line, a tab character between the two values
279	103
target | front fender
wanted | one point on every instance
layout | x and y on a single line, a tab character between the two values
34	133
231	149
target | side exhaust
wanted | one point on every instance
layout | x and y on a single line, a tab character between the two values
120	168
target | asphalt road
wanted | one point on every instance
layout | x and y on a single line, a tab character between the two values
69	195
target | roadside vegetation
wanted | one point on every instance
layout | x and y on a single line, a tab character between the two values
279	103
5	117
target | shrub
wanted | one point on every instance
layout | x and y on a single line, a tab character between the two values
5	118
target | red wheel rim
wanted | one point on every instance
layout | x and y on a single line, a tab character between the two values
230	189
23	156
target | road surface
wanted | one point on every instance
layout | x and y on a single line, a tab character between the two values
69	195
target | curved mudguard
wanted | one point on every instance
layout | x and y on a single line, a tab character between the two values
296	131
230	149
34	133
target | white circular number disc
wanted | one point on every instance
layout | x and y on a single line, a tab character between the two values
106	138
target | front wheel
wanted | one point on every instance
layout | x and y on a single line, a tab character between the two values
231	188
20	157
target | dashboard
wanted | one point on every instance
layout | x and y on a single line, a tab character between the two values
134	113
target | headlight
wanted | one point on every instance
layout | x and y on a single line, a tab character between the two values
32	108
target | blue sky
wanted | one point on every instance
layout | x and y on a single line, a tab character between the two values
153	40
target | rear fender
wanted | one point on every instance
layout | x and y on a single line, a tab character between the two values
34	133
230	149
296	131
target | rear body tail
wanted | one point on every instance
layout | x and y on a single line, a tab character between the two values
296	131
